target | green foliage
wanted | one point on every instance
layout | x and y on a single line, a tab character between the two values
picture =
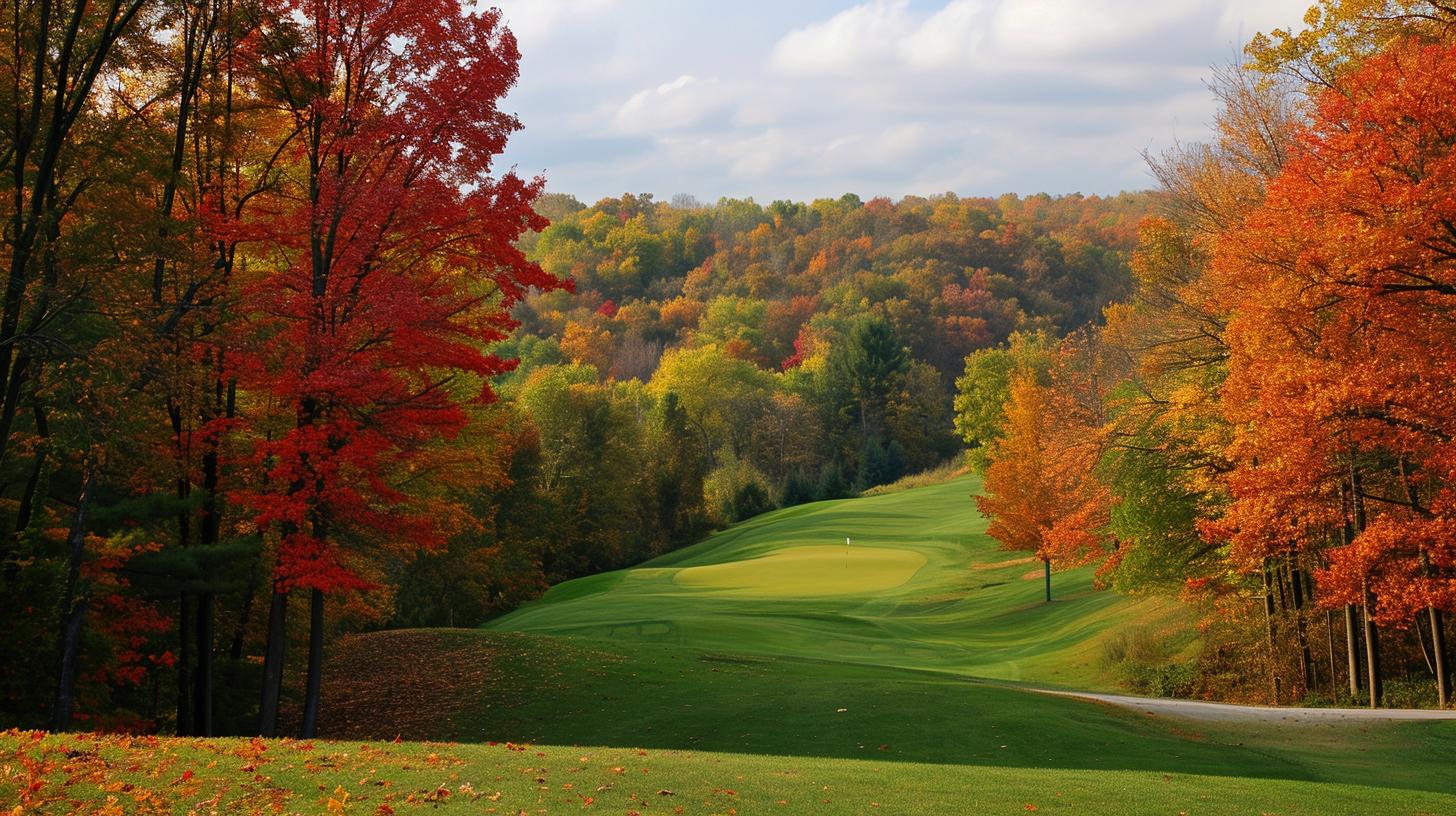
736	490
1155	519
1149	661
721	395
227	566
984	386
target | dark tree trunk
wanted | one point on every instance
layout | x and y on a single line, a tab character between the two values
202	689
73	614
1306	661
1269	626
1046	564
209	530
26	510
315	664
70	650
30	498
240	632
273	662
184	664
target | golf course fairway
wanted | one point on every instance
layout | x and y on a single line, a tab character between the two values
911	645
769	669
919	586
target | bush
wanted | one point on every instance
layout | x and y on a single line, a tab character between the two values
750	500
797	490
1144	661
736	490
1410	692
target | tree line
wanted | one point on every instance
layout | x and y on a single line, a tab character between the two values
283	354
257	257
1264	426
712	362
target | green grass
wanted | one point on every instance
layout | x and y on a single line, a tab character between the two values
782	584
118	776
753	640
765	670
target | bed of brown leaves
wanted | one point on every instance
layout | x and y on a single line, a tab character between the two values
407	684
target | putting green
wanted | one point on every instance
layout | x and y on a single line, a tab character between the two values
798	572
923	587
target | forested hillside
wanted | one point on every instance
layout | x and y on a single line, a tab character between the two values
713	362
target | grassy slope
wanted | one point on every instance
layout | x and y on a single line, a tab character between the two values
746	689
972	609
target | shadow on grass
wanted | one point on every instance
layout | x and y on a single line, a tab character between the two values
564	691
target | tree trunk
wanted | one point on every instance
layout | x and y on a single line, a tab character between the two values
315	664
202	690
30	499
1355	523
1372	657
273	662
1306	661
240	632
1269	630
1438	643
73	614
209	530
70	649
1352	650
1425	653
1046	564
184	664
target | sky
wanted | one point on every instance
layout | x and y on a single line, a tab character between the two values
805	99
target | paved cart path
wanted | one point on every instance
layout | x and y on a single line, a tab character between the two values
1225	712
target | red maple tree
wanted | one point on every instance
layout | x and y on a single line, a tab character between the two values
389	269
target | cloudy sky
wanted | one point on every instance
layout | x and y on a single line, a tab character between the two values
811	98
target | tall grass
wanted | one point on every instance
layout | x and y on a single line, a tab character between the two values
940	474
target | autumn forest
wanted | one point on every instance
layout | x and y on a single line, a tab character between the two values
289	360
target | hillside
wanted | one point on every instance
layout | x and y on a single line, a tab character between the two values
920	586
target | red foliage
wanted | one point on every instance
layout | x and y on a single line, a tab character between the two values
387	270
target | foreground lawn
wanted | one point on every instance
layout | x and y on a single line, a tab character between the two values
564	691
76	774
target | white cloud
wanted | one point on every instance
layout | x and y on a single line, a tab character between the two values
891	148
999	35
682	103
534	20
879	97
1052	28
851	42
952	36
